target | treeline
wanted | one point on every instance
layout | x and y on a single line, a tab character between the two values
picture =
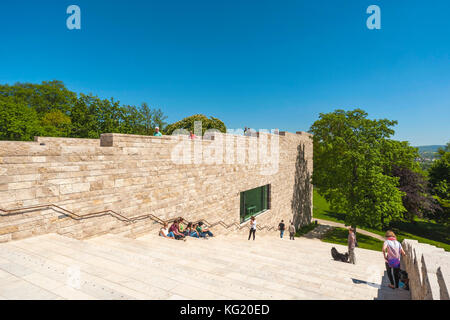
372	178
50	109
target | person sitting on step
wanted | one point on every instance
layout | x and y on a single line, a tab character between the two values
181	227
174	228
191	231
164	232
203	231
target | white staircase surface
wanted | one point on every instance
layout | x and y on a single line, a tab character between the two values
224	267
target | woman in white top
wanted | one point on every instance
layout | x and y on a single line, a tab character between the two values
164	231
392	252
252	227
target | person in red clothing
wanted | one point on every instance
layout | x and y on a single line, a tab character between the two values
175	230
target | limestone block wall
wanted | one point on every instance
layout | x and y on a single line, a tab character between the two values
428	270
120	177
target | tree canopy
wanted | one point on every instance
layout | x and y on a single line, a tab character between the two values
439	175
50	109
354	159
189	122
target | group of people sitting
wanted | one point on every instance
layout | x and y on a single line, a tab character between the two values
179	231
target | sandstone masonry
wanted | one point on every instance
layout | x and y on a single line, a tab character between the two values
50	184
428	270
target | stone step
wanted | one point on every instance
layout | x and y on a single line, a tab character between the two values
277	268
115	266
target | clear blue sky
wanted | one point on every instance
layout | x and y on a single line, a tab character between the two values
263	64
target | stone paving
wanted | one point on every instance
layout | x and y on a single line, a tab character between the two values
225	267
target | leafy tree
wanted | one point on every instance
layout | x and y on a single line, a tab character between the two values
351	167
152	118
17	120
84	116
56	124
44	97
50	109
416	199
439	175
132	121
188	124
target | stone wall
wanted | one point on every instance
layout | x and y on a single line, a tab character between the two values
428	270
121	177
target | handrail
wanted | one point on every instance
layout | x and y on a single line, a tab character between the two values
118	216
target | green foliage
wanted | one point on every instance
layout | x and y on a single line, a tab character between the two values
305	229
353	157
439	175
188	124
43	98
152	119
424	231
50	109
56	124
17	120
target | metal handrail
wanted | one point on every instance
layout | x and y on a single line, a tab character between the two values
112	213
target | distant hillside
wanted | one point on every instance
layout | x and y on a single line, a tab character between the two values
427	155
429	149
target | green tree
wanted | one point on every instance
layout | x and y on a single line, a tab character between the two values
132	121
351	167
188	124
439	175
55	124
43	98
17	120
152	118
54	110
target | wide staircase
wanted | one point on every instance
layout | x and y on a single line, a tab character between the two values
224	267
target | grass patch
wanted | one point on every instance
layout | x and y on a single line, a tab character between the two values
422	230
340	236
305	229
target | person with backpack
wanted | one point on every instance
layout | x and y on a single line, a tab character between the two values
281	227
392	252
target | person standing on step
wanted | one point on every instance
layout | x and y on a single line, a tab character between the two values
392	252
252	227
292	231
281	227
351	245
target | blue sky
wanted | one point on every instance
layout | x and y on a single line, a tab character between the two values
263	64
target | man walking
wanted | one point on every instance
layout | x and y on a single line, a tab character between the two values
291	231
351	245
281	228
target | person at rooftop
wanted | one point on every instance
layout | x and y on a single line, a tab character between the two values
192	135
157	132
